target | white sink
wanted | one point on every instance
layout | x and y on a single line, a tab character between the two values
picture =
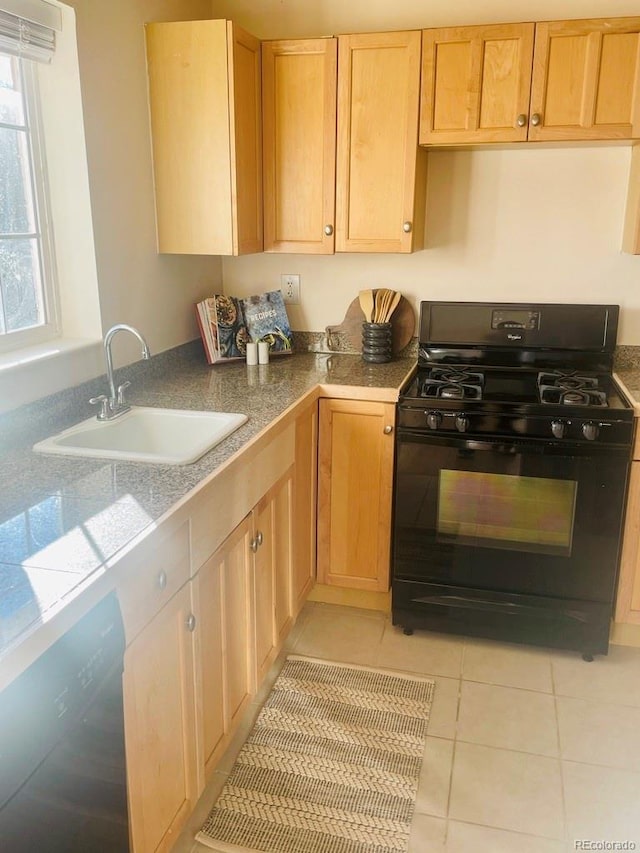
167	436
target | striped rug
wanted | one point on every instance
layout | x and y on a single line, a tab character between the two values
331	765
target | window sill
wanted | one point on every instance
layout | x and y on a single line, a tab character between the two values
34	372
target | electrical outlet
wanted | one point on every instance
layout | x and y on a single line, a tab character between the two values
290	286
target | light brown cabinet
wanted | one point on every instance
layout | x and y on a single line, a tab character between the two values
628	598
355	479
205	109
299	144
271	546
225	658
475	84
380	171
160	726
305	507
582	75
357	187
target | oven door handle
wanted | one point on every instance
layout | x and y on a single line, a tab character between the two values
503	447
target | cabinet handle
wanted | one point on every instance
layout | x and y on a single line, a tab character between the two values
521	120
536	119
407	227
191	623
254	545
328	230
259	538
162	580
388	429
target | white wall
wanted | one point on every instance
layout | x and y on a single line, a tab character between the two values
153	292
525	223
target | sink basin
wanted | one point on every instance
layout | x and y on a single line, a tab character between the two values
166	436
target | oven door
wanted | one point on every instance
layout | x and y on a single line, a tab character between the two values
526	517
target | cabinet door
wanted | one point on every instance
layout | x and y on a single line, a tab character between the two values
585	80
204	102
355	480
475	84
272	571
245	140
224	641
628	599
305	506
299	144
159	701
381	173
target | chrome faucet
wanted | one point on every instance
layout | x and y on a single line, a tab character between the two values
115	404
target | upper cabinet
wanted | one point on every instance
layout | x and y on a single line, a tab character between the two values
475	84
582	77
299	145
205	107
357	187
585	80
381	172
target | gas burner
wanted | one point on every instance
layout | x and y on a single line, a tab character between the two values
451	384
569	388
553	394
568	380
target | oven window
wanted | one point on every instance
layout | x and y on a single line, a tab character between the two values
531	514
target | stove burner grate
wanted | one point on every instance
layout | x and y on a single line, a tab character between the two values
570	389
452	384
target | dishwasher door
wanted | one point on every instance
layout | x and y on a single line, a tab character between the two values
62	761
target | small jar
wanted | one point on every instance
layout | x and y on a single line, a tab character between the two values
377	339
263	352
252	353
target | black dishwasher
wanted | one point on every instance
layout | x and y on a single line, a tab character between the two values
62	760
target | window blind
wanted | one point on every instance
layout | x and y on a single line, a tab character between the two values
27	28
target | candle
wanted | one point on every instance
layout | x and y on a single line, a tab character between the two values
252	353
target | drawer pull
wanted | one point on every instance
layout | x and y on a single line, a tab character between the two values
162	580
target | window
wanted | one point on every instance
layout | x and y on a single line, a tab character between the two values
27	280
50	324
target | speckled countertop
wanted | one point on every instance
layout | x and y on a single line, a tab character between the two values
63	518
630	379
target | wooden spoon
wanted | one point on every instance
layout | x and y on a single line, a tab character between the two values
393	305
380	298
366	303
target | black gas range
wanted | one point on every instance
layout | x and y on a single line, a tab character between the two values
513	445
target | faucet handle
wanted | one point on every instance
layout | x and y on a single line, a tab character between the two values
103	402
121	389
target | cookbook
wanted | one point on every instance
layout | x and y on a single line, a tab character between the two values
227	323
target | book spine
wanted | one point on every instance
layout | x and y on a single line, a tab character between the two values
202	325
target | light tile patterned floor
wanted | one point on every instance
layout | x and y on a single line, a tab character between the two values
529	750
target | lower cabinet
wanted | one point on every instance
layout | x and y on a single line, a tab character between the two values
225	663
628	600
160	726
355	481
244	613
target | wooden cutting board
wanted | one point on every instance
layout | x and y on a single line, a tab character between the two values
403	324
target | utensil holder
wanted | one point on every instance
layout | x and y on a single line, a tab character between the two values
376	342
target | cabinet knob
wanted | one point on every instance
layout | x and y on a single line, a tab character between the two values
328	230
191	623
162	580
259	538
254	545
536	119
388	429
407	226
521	120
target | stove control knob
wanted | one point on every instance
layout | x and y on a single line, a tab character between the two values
590	430
462	422
434	419
558	428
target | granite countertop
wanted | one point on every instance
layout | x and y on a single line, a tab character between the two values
630	379
63	520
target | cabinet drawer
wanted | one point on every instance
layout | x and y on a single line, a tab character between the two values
157	570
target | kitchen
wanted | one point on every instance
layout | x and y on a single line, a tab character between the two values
501	225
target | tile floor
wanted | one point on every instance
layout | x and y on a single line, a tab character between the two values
528	750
